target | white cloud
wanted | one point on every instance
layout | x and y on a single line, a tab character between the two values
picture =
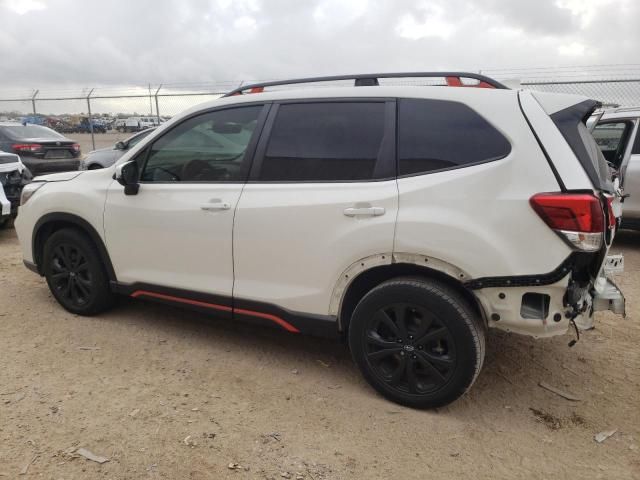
127	42
433	25
24	6
245	23
573	49
339	13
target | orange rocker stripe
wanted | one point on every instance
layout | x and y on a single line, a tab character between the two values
284	324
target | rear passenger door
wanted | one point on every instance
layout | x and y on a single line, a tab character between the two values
321	195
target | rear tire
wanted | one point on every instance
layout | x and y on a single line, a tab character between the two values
75	274
417	342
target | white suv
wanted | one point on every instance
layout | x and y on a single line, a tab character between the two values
408	219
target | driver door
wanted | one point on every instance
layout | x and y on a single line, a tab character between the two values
176	233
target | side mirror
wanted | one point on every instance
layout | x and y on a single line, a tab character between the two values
120	146
127	174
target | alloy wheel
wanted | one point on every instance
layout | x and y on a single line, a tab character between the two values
409	348
70	274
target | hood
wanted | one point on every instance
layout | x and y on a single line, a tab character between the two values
58	177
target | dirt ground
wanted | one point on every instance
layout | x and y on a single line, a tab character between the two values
164	393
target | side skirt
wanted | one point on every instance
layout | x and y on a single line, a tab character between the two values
247	311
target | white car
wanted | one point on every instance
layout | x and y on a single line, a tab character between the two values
617	134
13	176
408	219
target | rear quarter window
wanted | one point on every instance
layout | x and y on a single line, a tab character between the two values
436	135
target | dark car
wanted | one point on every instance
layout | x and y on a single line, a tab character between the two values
42	150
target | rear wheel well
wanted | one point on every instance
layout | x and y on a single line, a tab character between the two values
51	223
373	277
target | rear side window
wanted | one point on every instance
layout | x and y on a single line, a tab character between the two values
437	135
319	142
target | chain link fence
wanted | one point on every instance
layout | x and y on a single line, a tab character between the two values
101	109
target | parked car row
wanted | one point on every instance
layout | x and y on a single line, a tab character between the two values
136	124
408	220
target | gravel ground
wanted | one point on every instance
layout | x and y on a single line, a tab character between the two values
164	393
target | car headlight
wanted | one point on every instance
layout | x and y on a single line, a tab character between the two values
28	191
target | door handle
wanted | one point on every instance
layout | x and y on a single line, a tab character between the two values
214	206
365	211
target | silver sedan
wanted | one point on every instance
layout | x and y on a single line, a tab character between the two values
105	157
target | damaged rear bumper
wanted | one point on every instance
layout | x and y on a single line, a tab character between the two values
547	310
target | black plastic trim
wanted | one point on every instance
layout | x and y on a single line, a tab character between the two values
233	308
567	122
31	266
544	150
83	225
526	280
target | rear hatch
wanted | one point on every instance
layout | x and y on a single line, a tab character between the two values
572	123
586	210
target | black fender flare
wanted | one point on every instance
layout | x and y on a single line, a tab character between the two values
69	219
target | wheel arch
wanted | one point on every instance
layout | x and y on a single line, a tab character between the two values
365	274
52	222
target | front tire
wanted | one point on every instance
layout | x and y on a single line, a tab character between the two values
75	274
417	342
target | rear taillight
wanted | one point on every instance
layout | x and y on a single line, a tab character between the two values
578	217
75	147
26	147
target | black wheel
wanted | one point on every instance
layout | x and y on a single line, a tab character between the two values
95	166
75	273
417	342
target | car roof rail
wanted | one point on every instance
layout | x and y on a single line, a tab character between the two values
453	79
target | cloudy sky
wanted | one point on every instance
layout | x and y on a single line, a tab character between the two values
60	43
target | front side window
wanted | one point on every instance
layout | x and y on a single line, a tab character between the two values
207	148
319	142
438	135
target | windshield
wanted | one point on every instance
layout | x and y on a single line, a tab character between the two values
30	131
136	138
